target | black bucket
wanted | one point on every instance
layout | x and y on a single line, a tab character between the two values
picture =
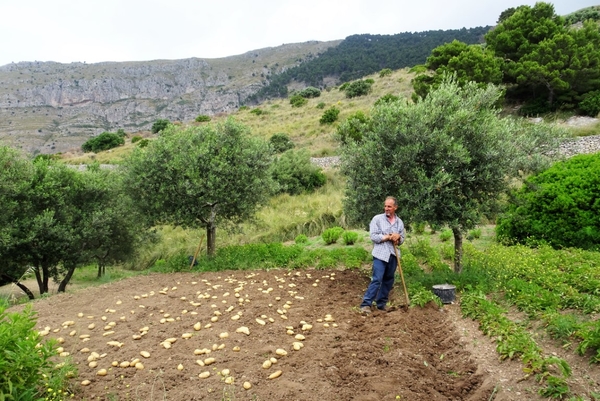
446	292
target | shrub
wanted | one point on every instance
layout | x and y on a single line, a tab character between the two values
280	143
294	173
474	234
388	98
558	206
331	235
243	108
143	143
344	86
321	105
203	118
353	128
590	105
297	101
301	239
26	369
104	141
385	72
257	111
136	138
358	88
330	115
310	92
159	125
349	237
446	234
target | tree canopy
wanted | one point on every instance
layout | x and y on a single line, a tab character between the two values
447	159
204	176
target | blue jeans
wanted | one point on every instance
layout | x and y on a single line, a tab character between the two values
382	282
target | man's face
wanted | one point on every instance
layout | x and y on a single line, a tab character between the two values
389	207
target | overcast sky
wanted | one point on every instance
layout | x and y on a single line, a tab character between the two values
137	30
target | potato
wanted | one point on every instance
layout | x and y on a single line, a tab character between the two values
93	364
214	319
224	335
171	340
124	364
235	317
180	367
247	385
92	326
209	361
139	366
229	380
260	321
306	327
281	352
101	372
186	335
275	375
244	330
204	375
83	350
63	354
85	383
145	354
300	337
236	349
273	360
267	364
197	326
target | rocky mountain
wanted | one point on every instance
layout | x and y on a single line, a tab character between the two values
48	107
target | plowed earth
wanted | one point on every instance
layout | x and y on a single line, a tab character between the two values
408	354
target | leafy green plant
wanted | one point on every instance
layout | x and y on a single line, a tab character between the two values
301	239
331	235
445	234
358	88
320	105
143	143
330	115
474	233
352	128
350	237
387	98
104	141
203	118
385	72
160	125
281	142
136	138
310	92
294	173
298	101
556	387
258	111
26	369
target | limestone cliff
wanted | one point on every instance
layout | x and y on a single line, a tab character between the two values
51	107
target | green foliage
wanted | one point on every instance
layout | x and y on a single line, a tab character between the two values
452	157
320	105
558	206
301	239
350	237
203	118
583	15
331	235
353	127
361	55
281	142
385	72
310	92
104	141
26	365
387	98
330	115
295	174
474	234
298	101
590	105
446	234
258	111
358	88
205	176
136	138
160	125
143	143
556	387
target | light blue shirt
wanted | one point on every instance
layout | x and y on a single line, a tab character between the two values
380	227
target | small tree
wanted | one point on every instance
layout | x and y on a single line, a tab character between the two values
447	159
358	88
330	115
205	176
202	118
160	125
294	173
281	142
104	141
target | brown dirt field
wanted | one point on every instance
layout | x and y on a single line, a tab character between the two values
412	355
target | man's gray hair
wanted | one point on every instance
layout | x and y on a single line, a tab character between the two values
394	199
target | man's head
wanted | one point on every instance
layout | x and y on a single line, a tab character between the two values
390	205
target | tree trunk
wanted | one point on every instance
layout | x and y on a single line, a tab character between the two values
21	286
458	249
63	284
211	232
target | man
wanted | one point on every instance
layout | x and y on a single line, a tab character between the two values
387	231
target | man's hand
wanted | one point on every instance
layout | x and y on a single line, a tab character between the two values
395	238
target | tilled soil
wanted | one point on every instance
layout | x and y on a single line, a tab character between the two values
408	354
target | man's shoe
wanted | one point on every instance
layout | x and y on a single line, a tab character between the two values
365	309
383	309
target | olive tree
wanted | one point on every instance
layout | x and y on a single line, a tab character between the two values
447	158
201	176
